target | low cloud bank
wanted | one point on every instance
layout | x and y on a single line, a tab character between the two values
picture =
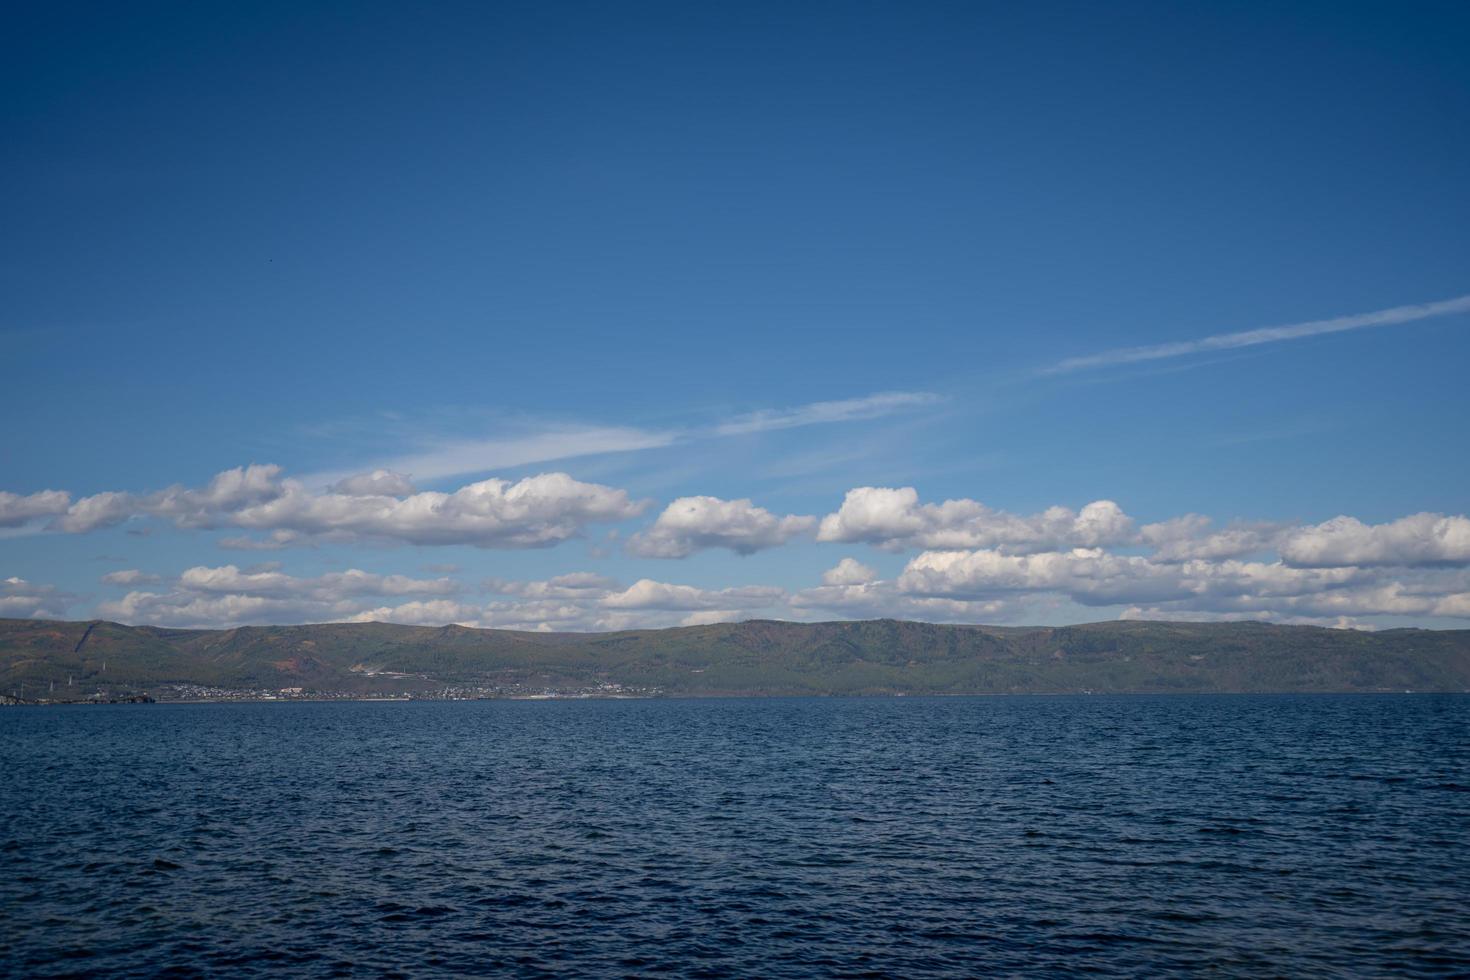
535	512
966	561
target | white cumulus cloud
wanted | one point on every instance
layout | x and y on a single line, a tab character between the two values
1095	577
894	518
534	512
21	599
226	595
692	524
16	510
849	571
1190	537
1419	539
130	576
97	511
648	594
329	587
377	483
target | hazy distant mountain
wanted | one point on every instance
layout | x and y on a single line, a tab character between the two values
757	657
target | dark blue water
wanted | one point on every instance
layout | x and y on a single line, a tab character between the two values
793	838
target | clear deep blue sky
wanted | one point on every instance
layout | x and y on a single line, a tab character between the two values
330	237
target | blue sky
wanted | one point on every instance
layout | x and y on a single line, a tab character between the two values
773	253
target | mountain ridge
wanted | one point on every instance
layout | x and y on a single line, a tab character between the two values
753	657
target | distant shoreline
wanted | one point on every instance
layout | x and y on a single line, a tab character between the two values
750	697
753	658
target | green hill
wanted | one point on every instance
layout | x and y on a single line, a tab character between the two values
756	657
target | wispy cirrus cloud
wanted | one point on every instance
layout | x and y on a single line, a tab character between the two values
528	442
545	444
818	413
1262	335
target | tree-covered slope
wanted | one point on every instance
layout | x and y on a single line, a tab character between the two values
757	657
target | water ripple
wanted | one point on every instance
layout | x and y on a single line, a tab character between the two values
1236	836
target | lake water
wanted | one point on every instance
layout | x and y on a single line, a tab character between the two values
776	838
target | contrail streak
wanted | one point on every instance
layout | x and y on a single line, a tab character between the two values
1263	335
